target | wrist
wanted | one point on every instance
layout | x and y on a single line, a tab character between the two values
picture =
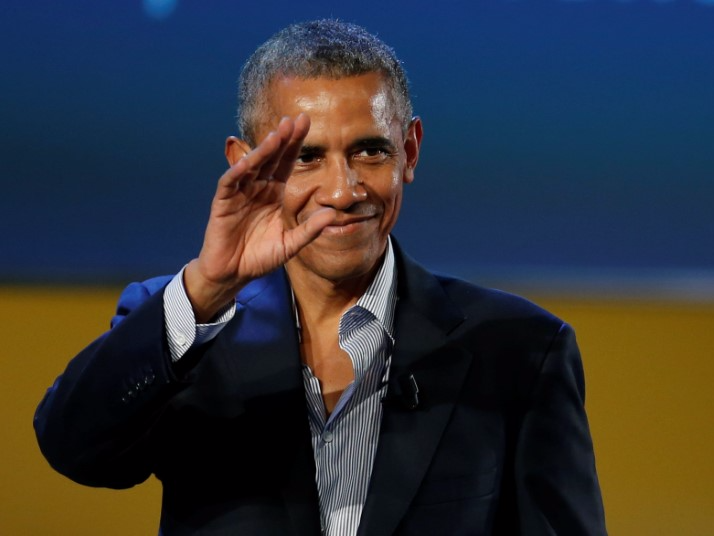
207	297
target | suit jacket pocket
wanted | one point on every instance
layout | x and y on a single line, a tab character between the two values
435	491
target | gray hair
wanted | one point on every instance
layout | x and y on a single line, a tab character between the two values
323	48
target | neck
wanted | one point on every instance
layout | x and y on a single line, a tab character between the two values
321	300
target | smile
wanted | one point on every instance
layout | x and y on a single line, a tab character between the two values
348	226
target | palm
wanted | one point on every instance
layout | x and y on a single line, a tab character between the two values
245	236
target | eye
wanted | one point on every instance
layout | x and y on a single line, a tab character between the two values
372	151
305	159
372	154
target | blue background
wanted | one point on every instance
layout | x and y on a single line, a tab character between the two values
565	141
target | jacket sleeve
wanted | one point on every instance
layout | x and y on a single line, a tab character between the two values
557	489
94	424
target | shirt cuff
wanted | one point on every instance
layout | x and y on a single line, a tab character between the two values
182	332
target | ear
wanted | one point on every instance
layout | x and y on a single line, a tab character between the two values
235	149
412	142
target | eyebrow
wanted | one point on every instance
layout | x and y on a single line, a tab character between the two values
312	149
374	141
360	143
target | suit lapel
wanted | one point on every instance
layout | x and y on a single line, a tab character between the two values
269	371
409	437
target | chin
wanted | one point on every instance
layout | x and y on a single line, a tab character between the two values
342	269
337	266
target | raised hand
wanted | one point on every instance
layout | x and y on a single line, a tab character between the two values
245	237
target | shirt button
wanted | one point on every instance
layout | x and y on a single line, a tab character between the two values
327	436
180	339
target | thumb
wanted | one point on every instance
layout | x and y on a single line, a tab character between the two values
307	231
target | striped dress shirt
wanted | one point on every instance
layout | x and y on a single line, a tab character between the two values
344	444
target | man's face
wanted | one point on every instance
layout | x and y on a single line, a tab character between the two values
355	159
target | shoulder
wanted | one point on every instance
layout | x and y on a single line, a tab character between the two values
516	343
144	289
432	290
492	303
504	322
437	295
137	293
476	316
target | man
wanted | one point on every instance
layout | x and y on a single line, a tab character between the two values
303	374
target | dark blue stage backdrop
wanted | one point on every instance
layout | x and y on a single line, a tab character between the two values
566	142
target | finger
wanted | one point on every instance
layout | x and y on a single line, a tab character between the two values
284	132
301	127
261	160
248	168
230	180
309	230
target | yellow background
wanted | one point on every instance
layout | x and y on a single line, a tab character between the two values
650	397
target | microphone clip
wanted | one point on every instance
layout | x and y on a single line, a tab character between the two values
405	395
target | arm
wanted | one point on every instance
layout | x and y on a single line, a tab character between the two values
557	490
95	424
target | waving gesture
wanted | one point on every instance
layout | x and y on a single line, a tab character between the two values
245	236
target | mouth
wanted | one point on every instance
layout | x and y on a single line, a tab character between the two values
348	225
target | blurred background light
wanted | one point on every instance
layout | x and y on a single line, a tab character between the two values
159	9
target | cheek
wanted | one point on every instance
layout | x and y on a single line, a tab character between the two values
394	194
391	197
295	197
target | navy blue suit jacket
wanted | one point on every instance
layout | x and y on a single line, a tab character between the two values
499	443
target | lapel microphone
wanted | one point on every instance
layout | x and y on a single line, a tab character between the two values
406	393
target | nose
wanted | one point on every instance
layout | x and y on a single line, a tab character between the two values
340	187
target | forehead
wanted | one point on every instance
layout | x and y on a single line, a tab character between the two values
351	99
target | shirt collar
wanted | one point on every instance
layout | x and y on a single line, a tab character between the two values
380	298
